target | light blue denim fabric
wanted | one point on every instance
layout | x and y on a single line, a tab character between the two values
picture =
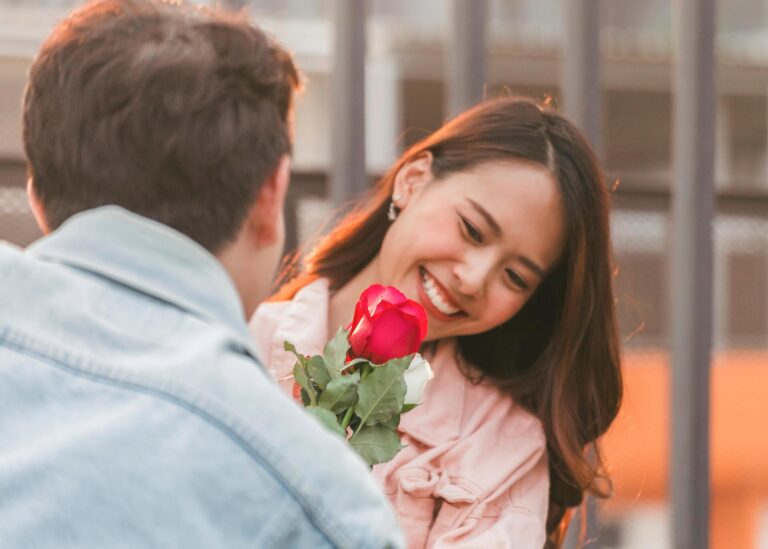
134	411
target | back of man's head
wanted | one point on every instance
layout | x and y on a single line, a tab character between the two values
175	113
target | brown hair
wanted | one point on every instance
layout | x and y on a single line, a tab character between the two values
173	112
559	355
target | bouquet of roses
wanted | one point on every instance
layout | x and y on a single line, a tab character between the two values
368	374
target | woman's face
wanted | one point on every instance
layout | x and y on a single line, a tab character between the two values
474	246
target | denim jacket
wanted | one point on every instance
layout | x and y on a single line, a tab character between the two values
135	412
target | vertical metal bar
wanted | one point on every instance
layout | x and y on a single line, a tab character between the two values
691	263
348	173
580	68
581	92
466	55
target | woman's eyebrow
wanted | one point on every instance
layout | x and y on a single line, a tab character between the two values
487	216
532	266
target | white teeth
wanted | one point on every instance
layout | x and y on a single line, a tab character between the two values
430	288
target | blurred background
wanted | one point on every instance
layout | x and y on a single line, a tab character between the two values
409	45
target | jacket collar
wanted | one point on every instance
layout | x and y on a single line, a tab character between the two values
438	419
151	258
303	321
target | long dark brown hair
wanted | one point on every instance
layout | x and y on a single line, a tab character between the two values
559	355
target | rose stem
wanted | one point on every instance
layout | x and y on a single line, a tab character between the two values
367	369
351	409
347	417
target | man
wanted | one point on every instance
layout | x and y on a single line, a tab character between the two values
134	410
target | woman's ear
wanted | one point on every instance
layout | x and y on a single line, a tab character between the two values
411	179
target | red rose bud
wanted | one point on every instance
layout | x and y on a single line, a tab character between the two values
386	325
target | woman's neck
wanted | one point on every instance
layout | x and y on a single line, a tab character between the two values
341	305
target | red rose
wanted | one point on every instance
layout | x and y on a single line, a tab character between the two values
386	325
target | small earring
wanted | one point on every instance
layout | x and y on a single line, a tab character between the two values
392	212
393	209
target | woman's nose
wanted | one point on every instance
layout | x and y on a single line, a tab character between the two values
472	275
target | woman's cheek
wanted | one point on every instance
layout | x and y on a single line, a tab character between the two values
505	308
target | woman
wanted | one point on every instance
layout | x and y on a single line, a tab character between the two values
498	225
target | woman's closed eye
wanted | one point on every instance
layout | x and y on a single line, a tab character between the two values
471	230
516	280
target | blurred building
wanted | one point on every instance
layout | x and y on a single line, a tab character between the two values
406	56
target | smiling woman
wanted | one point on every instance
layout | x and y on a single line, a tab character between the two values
498	225
473	248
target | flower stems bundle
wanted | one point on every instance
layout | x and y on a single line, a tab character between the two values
369	373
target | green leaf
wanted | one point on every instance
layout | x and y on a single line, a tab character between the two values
400	363
376	444
340	393
393	422
381	394
408	408
327	418
318	371
335	352
301	377
291	348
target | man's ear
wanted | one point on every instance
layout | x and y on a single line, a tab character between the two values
411	179
37	207
265	219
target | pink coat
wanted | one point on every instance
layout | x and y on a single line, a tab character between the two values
474	472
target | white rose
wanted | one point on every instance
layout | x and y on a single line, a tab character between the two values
416	377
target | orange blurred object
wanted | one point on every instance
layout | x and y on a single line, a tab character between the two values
637	446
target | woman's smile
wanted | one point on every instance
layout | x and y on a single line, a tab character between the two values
436	299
